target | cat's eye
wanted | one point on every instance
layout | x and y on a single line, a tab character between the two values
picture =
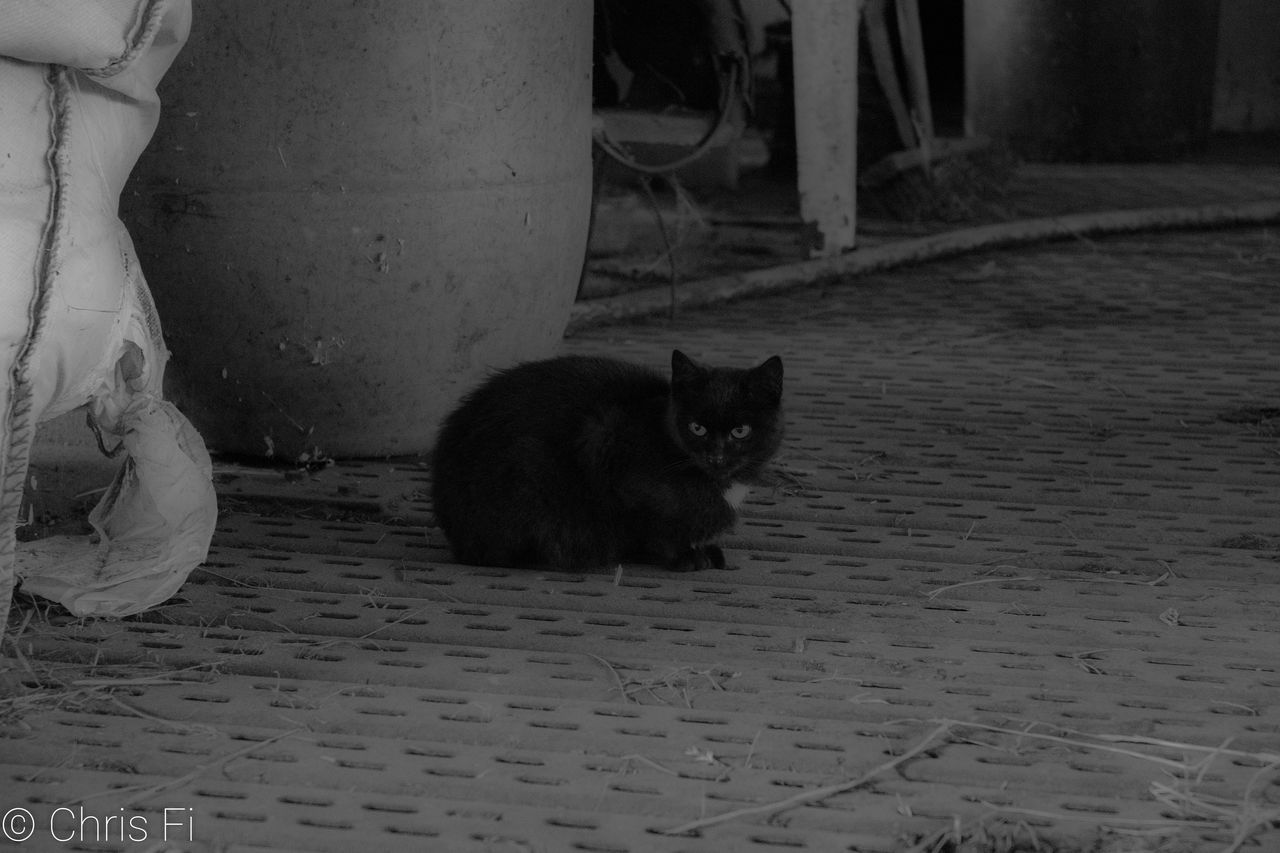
740	432
697	429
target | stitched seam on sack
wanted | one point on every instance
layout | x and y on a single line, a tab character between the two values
19	417
144	32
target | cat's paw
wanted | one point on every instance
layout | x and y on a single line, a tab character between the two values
685	562
715	556
698	558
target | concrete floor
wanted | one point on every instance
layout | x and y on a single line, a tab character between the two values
1013	586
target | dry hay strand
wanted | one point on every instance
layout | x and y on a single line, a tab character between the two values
37	687
990	834
136	795
1190	809
676	686
814	795
1238	819
998	834
107	692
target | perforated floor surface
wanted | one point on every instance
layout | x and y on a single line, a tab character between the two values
1014	587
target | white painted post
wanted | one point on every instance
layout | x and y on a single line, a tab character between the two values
824	38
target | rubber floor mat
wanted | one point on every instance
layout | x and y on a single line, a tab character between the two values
1012	585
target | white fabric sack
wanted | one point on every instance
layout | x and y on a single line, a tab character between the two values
77	325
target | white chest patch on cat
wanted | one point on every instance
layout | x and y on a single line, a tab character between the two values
736	493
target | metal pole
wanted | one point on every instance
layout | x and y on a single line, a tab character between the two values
824	35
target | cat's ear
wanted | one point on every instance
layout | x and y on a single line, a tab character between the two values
766	380
683	368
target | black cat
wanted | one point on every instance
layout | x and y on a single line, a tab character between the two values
577	463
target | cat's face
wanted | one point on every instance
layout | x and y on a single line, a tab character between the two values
728	421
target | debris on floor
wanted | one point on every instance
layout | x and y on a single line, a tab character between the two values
1012	587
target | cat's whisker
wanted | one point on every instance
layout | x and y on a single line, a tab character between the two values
678	465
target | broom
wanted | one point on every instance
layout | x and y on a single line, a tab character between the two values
931	177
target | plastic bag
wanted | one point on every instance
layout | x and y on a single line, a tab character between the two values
153	524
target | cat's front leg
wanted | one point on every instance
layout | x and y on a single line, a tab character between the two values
697	558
